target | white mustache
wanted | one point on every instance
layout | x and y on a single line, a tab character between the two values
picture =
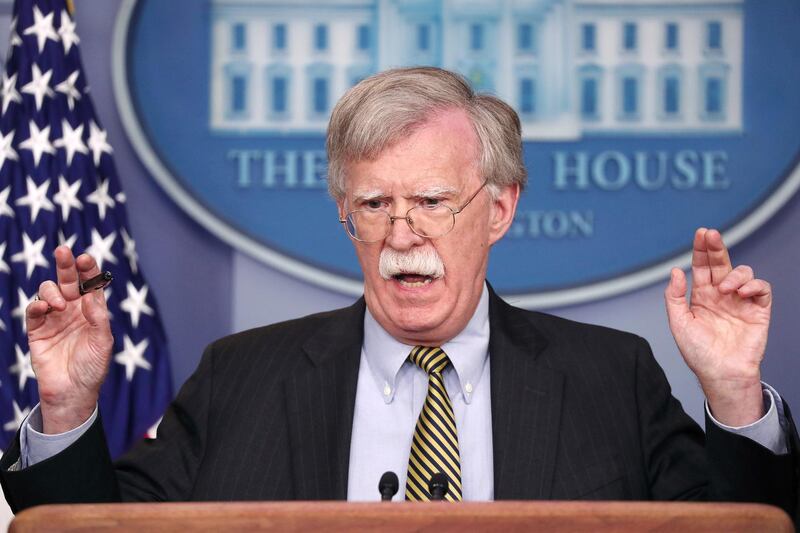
421	261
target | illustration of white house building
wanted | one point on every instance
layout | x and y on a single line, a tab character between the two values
569	67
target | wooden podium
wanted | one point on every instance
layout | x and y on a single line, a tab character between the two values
437	517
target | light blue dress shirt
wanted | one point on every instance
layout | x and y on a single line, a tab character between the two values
389	397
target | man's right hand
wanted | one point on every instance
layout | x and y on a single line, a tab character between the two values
70	341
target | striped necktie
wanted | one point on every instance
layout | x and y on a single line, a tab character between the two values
434	447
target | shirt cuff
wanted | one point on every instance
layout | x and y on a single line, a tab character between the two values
770	430
36	446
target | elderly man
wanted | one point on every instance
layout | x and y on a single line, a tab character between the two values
430	372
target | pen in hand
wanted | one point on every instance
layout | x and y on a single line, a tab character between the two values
96	283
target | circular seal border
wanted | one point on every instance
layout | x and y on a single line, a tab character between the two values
229	234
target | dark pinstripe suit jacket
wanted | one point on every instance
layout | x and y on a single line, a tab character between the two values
578	412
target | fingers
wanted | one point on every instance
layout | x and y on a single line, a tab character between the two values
70	271
701	273
675	297
735	279
35	314
55	297
66	273
719	261
758	290
710	259
49	292
742	281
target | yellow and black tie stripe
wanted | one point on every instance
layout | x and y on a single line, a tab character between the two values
434	447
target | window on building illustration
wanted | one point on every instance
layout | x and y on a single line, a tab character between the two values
320	91
525	37
630	96
476	37
672	102
320	37
423	37
279	36
527	96
589	97
714	35
280	86
239	37
362	37
238	94
588	38
713	96
671	36
629	36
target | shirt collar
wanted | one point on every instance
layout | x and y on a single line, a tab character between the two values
467	351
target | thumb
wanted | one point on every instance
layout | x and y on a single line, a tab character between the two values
675	297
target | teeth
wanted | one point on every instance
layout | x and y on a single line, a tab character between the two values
415	283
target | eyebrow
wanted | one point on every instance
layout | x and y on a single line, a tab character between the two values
368	194
438	190
428	192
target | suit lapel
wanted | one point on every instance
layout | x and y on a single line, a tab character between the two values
526	405
320	404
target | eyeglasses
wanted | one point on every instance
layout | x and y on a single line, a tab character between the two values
429	221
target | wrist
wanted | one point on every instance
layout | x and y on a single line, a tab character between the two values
64	416
736	406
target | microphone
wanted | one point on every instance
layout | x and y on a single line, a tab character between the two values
438	486
388	486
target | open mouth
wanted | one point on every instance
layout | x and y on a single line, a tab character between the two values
412	280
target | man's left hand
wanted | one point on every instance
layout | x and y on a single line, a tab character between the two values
722	331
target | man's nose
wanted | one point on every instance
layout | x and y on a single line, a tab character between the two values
401	236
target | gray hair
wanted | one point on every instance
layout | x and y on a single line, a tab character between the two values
385	108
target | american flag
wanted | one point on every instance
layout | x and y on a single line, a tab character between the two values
58	184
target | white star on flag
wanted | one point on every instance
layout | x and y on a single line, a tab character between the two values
63	241
38	142
97	142
4	207
7	148
9	90
101	198
15	40
2	324
42	27
67	32
36	198
39	86
132	356
31	254
121	198
129	249
19	417
67	88
136	303
3	264
71	140
67	196
23	367
101	248
19	310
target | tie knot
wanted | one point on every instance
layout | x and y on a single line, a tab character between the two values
431	359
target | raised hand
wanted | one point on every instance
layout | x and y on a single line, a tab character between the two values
70	340
722	332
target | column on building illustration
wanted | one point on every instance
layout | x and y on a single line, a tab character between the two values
282	65
238	73
410	32
713	74
661	67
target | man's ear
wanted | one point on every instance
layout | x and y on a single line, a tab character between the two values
503	209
